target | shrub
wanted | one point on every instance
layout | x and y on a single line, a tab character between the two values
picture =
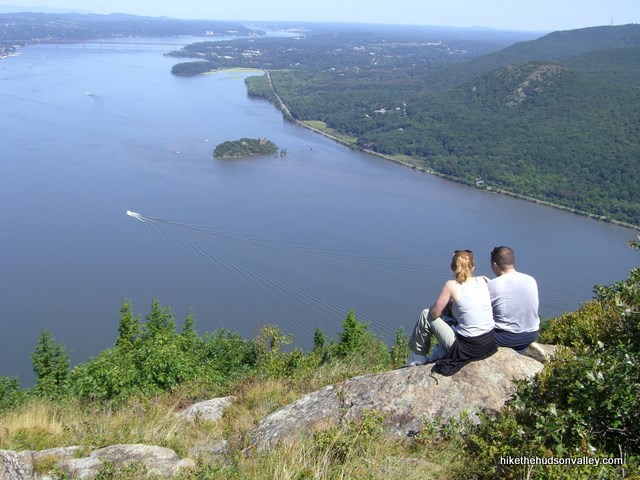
152	358
585	402
51	366
357	343
11	395
272	361
400	350
351	336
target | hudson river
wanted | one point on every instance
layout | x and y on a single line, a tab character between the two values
296	240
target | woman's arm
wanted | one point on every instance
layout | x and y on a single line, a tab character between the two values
443	299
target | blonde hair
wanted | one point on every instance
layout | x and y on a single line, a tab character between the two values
462	265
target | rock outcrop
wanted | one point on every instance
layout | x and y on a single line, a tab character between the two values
210	410
11	468
540	351
157	461
406	397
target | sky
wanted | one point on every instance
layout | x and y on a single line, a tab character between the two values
537	16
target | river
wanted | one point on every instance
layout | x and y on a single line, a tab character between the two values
92	131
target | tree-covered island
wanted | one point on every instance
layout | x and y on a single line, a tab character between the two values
245	147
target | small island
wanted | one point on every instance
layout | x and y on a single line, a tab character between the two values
245	147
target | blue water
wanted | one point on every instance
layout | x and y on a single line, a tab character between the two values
294	241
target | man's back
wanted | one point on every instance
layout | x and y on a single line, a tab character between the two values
514	299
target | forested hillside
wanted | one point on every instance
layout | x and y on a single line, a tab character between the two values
560	120
555	118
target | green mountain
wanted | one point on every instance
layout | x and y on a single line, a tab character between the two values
557	47
556	118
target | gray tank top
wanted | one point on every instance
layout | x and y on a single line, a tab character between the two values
473	310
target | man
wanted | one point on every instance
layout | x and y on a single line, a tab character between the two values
514	299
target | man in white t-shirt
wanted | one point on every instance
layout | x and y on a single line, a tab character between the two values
514	299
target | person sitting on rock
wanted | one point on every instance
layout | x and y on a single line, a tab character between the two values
514	299
467	335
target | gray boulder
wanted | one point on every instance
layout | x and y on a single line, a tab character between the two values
211	410
31	458
540	351
208	452
406	397
11	467
158	461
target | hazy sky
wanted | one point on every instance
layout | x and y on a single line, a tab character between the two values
538	15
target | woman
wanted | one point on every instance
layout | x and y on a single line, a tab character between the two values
469	334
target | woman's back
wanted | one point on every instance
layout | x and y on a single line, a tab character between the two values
472	308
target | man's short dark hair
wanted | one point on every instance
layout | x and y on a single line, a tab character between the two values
503	256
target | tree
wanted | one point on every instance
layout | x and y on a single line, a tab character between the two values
189	335
159	321
129	325
189	327
319	340
51	366
352	334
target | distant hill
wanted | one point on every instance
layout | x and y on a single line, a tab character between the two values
17	9
556	118
554	47
20	27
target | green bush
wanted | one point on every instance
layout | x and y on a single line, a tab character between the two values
11	395
359	344
151	358
51	366
583	328
400	350
272	361
586	401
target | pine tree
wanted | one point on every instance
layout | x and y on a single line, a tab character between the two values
129	325
352	333
189	334
189	327
160	321
319	340
51	366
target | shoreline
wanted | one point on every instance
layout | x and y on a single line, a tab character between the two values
285	110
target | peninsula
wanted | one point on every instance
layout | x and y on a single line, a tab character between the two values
245	147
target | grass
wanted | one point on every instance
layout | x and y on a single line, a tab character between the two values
352	451
322	127
234	70
43	424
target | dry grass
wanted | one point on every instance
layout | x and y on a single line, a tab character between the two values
36	426
40	424
377	460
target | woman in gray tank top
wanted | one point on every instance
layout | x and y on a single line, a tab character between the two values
465	335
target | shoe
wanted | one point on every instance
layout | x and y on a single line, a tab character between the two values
416	360
438	352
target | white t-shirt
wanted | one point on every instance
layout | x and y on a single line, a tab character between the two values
514	299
